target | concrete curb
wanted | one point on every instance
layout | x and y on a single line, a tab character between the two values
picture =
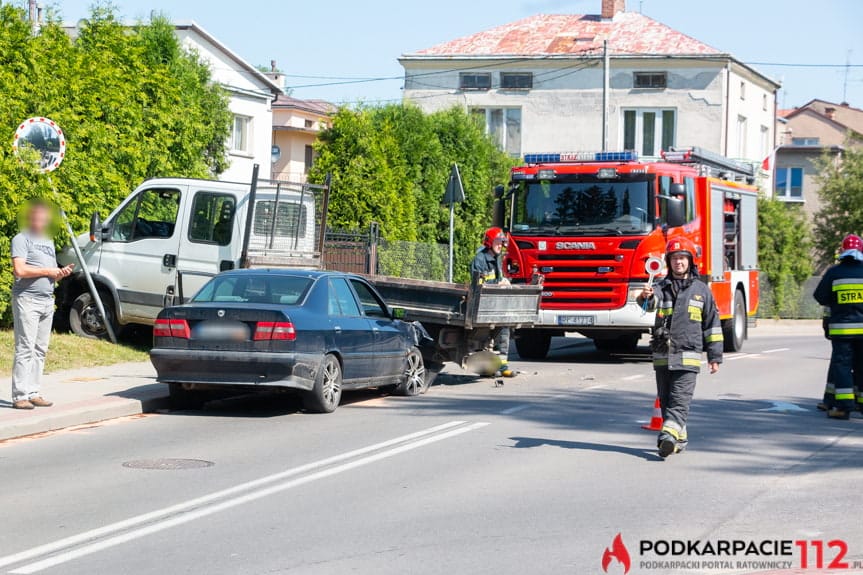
43	420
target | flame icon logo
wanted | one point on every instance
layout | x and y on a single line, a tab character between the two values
617	551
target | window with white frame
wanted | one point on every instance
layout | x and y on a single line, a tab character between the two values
742	90
766	148
504	127
805	141
764	102
788	184
241	140
649	130
742	135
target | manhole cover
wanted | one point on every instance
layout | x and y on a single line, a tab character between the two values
168	464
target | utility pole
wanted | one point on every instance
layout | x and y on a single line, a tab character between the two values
606	73
847	70
33	15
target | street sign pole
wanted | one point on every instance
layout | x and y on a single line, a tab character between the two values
454	194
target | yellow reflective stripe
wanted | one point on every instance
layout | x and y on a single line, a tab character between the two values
847	331
716	330
844	286
665	311
691	362
714	337
841	396
660	361
671	431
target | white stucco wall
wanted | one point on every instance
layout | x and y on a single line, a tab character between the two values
564	109
249	97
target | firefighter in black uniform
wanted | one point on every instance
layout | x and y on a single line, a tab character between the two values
488	268
841	288
687	324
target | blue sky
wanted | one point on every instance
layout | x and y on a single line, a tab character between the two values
349	38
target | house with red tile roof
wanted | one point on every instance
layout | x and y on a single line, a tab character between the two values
538	83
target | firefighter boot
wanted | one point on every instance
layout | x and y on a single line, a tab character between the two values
837	413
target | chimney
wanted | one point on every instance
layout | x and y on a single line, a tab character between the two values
830	112
276	75
610	8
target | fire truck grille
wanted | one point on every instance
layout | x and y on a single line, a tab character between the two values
577	257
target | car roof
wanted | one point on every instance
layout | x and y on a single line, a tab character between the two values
311	274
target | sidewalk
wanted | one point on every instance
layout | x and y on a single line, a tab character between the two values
83	396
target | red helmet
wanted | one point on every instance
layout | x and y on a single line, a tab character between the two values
493	234
852	242
678	245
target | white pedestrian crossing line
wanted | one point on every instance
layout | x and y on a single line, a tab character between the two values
777	350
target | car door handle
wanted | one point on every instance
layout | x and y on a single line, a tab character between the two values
169	260
337	329
374	329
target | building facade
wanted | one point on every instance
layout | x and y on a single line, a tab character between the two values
806	135
251	96
296	125
538	83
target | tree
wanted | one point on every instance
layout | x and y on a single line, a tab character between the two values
784	253
132	102
390	164
841	193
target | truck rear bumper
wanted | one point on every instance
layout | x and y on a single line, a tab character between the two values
628	318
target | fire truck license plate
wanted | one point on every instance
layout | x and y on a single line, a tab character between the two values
575	320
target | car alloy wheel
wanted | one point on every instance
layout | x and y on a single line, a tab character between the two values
331	388
415	375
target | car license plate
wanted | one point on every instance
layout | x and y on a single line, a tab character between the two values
576	320
221	331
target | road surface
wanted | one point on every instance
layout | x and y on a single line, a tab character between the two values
535	476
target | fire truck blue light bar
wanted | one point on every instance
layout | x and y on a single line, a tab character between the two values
559	158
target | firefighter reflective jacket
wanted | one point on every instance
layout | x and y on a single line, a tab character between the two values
841	288
485	267
685	327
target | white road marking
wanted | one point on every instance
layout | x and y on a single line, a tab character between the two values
741	356
777	350
600	386
632	377
516	409
784	407
192	509
559	396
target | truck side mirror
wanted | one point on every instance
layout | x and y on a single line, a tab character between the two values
675	212
95	227
677	191
499	207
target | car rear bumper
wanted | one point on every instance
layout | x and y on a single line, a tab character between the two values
236	368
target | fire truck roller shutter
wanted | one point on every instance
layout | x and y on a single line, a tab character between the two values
748	231
716	257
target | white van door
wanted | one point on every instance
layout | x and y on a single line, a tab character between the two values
212	239
139	254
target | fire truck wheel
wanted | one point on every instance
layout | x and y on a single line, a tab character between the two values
734	329
533	345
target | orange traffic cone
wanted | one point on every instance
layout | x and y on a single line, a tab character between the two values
656	420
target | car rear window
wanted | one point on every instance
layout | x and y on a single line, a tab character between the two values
255	288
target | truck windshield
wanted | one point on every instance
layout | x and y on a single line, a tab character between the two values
582	207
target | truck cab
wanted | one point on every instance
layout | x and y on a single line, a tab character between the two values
170	235
590	222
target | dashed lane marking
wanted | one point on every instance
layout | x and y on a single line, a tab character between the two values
516	409
777	350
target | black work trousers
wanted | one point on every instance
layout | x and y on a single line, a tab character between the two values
675	389
847	358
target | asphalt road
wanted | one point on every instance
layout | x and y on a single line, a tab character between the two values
535	476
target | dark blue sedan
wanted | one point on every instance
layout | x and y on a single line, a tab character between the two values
316	332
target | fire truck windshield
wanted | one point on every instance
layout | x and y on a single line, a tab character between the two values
582	207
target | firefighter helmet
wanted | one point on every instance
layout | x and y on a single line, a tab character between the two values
852	242
680	245
493	234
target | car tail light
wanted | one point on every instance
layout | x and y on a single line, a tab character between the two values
275	330
172	328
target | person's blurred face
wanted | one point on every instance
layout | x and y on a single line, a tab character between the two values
679	264
497	246
39	219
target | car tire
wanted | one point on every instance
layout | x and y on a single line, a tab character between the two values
186	399
734	330
533	346
85	320
325	396
415	381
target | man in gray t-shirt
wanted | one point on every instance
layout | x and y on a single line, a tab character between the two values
34	264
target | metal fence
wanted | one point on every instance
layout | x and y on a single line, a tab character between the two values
797	302
365	252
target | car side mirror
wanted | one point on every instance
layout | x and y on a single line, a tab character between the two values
398	313
675	212
95	227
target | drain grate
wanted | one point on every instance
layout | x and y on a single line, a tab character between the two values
168	464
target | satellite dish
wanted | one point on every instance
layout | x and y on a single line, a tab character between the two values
40	143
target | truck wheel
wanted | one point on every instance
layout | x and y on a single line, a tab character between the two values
414	382
327	392
186	399
734	330
84	317
622	344
533	346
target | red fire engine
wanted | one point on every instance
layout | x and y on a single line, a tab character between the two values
590	223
